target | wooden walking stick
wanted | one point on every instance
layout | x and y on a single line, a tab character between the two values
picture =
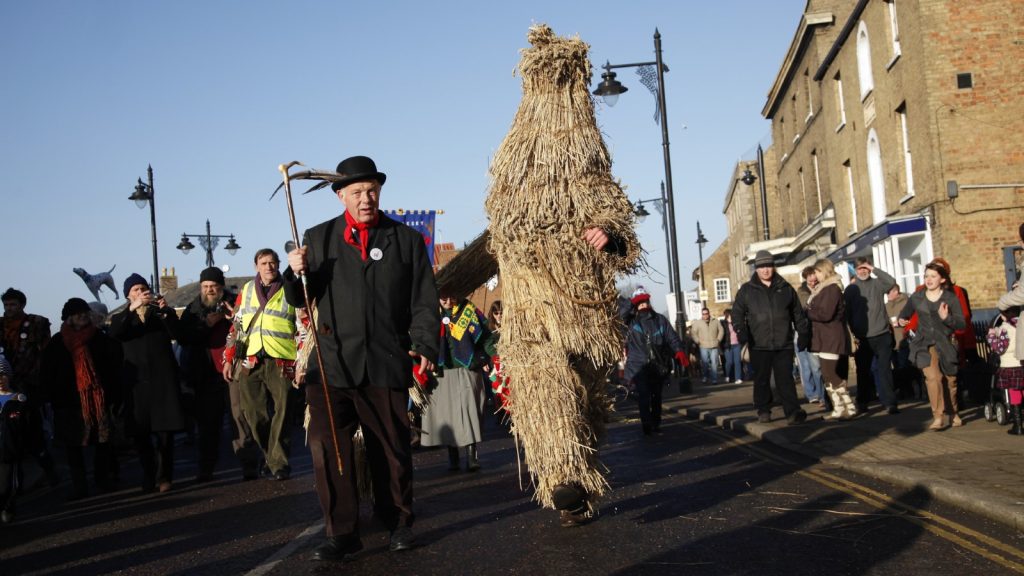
310	308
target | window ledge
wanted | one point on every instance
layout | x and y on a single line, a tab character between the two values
892	62
907	198
841	126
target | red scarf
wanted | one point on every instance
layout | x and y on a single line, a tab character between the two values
90	393
362	228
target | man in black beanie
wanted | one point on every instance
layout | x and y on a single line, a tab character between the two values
204	329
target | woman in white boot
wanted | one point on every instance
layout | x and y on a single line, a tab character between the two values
939	314
830	340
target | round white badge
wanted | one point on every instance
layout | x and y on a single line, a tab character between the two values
376	254
446	320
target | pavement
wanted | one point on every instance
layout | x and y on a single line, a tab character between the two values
977	467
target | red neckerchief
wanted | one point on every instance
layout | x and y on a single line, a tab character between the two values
363	229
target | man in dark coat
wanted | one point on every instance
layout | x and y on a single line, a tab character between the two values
145	329
81	374
205	324
377	314
766	312
22	341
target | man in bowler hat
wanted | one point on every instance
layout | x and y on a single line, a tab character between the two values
377	321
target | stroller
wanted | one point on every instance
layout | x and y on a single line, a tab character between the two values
1000	340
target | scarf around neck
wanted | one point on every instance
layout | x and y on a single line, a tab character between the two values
821	286
90	393
362	229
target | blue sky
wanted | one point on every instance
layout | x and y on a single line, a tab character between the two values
216	94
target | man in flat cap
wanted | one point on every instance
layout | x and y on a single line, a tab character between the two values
766	313
377	316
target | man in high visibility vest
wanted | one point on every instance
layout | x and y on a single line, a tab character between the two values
268	330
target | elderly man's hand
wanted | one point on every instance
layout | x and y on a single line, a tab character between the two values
297	260
596	238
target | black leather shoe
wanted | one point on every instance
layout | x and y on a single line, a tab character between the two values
566	497
402	538
337	548
282	475
797	417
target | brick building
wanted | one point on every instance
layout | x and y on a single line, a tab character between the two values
895	129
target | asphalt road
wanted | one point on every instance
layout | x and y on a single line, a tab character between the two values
695	500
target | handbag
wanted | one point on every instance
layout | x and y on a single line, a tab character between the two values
745	354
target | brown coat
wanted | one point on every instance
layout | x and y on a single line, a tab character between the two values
827	312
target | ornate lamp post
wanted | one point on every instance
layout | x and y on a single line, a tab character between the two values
701	241
610	89
642	213
208	242
146	193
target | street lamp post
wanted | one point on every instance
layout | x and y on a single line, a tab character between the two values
208	242
701	241
610	89
145	193
642	213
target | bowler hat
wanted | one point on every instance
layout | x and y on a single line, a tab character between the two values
356	169
763	258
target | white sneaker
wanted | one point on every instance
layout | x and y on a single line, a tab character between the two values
739	381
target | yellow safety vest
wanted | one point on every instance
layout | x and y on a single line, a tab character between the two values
275	329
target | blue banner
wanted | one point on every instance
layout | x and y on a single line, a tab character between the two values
421	221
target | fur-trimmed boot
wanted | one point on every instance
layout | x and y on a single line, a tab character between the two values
849	406
838	407
1015	426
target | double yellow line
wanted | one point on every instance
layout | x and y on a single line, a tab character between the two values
967	538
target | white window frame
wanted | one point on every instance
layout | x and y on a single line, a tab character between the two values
840	101
908	164
718	283
864	73
894	31
810	100
876	178
853	198
817	179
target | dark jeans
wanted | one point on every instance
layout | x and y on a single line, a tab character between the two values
648	387
780	364
869	349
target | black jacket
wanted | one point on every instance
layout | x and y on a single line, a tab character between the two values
150	371
639	328
57	377
765	316
199	341
372	313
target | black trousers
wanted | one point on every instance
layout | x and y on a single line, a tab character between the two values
878	349
383	414
648	385
778	363
157	462
102	454
210	405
